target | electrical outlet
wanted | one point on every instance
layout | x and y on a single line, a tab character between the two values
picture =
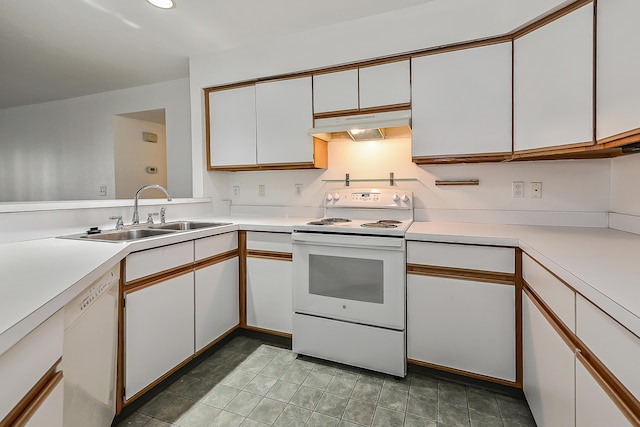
298	190
536	190
236	191
103	190
261	191
517	189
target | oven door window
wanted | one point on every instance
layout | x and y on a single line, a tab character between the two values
354	279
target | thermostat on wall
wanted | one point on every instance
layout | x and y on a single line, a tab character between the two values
149	137
152	169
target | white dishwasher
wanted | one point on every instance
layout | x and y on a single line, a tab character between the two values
89	354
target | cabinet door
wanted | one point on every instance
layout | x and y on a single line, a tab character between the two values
232	127
386	84
335	91
594	408
461	102
554	83
284	116
269	294
618	67
462	324
217	301
49	411
159	331
548	370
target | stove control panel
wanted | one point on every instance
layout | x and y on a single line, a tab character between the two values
369	198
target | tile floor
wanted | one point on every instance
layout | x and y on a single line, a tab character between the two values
252	383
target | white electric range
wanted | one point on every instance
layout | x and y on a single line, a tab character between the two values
349	280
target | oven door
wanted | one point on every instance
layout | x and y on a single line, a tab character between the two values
358	279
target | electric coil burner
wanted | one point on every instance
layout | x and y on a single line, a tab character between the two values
349	275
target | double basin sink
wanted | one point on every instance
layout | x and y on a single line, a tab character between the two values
146	230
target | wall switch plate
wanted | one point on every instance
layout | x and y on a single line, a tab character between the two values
261	190
298	190
517	189
236	190
536	190
103	190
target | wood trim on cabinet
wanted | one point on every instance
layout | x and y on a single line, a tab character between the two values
505	38
363	111
519	348
267	331
549	18
556	149
623	138
242	276
462	373
462	274
39	399
25	403
463	158
266	167
620	395
120	351
216	259
153	279
273	255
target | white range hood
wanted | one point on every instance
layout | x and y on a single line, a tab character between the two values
363	127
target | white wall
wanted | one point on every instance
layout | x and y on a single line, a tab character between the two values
431	24
625	180
133	155
63	150
587	190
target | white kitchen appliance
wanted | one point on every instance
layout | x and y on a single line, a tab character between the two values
349	280
89	354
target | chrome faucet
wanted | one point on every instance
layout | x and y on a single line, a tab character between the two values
136	219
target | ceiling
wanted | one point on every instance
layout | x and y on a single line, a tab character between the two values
55	50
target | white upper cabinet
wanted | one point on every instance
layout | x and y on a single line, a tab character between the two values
335	91
618	68
461	102
366	87
385	84
232	125
284	116
553	99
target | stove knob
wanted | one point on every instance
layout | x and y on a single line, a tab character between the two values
329	197
396	197
336	197
405	198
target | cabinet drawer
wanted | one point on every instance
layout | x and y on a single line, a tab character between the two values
614	345
557	295
214	245
275	242
24	364
145	263
484	258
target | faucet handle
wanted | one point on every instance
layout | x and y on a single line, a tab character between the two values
150	217
163	211
119	223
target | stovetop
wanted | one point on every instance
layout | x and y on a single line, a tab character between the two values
387	212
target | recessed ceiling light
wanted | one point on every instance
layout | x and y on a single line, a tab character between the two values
163	4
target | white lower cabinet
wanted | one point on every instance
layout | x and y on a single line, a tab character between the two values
270	294
594	408
462	324
269	281
216	301
548	370
49	410
159	330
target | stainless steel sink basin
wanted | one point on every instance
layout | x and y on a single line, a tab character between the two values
188	225
124	235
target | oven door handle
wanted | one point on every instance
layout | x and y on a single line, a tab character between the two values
396	243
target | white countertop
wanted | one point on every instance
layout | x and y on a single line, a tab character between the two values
599	263
41	276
